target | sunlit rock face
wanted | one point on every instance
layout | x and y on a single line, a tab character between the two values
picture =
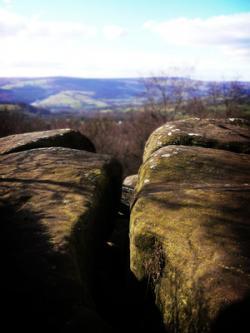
130	181
56	208
230	134
190	228
128	189
55	138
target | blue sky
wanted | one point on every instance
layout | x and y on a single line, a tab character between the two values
129	38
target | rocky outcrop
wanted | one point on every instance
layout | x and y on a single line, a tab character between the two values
190	228
55	138
229	134
56	208
65	246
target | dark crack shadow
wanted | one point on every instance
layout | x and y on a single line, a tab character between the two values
28	263
124	302
39	288
234	318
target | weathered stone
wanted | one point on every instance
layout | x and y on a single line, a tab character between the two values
55	138
189	234
56	207
130	181
128	187
231	134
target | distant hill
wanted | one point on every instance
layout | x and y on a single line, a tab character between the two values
63	94
76	95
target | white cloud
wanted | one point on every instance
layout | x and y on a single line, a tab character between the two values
12	24
112	32
31	46
231	31
7	2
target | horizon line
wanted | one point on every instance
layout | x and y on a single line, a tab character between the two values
118	78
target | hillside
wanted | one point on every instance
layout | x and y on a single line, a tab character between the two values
78	95
71	94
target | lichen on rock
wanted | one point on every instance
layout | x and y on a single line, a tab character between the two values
211	133
66	138
189	233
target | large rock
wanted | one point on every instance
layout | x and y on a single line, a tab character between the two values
130	181
128	187
189	234
55	138
230	134
56	208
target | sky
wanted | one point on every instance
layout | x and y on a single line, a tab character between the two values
130	38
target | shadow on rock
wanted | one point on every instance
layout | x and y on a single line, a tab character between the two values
234	318
124	302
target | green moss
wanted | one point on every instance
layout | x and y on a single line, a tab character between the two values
196	240
226	134
191	209
187	165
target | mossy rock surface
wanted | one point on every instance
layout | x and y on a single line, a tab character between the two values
56	207
230	134
189	234
66	138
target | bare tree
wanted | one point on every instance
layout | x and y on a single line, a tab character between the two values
227	95
214	93
166	92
